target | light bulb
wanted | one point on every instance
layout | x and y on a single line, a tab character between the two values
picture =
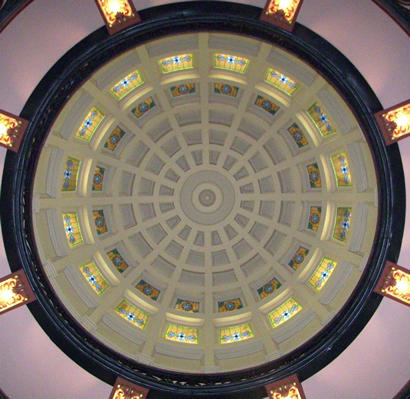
114	6
6	295
403	285
284	4
3	129
402	120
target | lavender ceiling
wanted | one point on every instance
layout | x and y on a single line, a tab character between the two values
376	364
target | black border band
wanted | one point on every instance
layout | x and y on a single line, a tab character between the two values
58	86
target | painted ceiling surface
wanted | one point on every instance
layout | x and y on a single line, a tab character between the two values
379	342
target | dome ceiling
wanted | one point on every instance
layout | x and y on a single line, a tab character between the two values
205	203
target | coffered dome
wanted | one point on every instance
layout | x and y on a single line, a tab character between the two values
205	202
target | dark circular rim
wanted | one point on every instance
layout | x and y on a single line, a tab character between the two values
58	86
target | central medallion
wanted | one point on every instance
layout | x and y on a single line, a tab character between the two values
207	197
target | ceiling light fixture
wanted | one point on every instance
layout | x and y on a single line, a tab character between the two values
12	129
288	388
282	13
125	390
118	14
394	122
15	291
394	283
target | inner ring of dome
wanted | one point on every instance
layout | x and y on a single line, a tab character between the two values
207	197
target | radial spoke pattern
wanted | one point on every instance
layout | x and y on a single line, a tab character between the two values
206	198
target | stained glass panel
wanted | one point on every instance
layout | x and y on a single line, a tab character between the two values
314	175
72	229
321	120
342	224
297	134
226	89
148	290
238	333
322	273
90	124
114	138
117	260
314	218
94	277
284	312
176	63
341	170
269	288
281	81
298	258
187	306
186	335
266	105
126	85
98	178
132	314
142	108
183	89
99	222
72	166
230	305
231	62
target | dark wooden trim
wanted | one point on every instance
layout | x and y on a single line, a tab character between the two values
395	11
58	86
10	10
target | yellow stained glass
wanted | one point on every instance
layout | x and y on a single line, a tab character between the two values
117	260
266	105
114	138
314	175
341	170
284	312
72	229
184	334
187	306
98	178
142	108
230	62
321	120
132	314
297	134
242	332
183	89
342	223
230	305
298	258
280	81
148	290
269	288
176	63
72	166
322	273
225	89
94	277
126	85
99	221
314	218
90	124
